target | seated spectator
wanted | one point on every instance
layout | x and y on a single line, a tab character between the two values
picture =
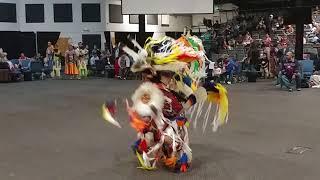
3	58
105	56
289	30
95	51
209	70
267	41
230	67
261	25
216	73
289	72
38	58
314	81
284	41
216	25
283	50
247	39
93	60
23	57
279	24
239	39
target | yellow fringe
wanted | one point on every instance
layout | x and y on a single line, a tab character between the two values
221	99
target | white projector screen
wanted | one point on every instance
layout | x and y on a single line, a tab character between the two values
167	6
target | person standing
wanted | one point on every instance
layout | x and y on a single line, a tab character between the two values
71	63
253	57
56	64
83	71
80	60
267	50
49	53
125	65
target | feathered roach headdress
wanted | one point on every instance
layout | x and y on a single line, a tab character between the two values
182	56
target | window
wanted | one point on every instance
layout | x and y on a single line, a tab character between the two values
62	12
134	19
91	13
165	20
8	12
34	13
152	19
115	15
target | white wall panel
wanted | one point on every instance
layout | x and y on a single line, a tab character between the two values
167	6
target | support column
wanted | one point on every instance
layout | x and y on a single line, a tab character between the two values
299	11
142	29
299	37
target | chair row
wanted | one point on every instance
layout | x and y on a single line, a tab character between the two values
28	69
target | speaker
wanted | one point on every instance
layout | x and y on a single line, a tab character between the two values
252	76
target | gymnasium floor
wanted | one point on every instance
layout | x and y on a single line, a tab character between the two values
52	130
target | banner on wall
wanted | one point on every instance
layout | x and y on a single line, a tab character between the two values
167	6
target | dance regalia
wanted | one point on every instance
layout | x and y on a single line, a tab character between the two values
161	112
71	63
83	71
56	65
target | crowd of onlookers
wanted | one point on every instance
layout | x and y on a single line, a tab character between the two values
268	52
77	62
269	55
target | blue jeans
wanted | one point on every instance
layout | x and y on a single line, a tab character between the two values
229	77
279	78
287	82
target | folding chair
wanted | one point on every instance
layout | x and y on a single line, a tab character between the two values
37	70
306	68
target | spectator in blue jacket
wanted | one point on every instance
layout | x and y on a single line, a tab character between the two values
231	67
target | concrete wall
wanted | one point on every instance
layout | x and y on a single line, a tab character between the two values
177	23
75	29
72	30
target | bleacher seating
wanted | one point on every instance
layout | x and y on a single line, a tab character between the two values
255	36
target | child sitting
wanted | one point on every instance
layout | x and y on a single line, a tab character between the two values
216	73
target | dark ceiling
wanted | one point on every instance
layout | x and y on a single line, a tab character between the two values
260	5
